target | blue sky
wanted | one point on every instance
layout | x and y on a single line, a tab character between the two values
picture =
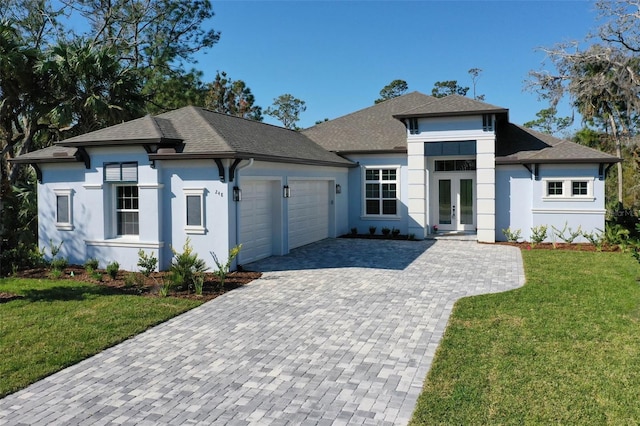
337	55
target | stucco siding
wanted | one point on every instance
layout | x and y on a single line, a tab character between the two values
513	200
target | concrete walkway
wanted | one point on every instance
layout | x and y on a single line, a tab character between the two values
339	332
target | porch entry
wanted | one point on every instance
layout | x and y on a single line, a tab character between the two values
456	202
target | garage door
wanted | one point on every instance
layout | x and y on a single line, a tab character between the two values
308	212
256	219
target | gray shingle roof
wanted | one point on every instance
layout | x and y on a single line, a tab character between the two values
517	144
370	129
198	132
450	105
51	154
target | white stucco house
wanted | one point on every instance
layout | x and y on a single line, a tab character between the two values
410	163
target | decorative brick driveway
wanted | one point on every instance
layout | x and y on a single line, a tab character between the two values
339	332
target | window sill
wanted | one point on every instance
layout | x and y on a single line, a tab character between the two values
576	198
380	217
64	226
125	242
196	230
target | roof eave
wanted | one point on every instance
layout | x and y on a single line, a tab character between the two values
508	161
451	114
120	142
247	156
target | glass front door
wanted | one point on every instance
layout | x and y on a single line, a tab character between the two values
456	204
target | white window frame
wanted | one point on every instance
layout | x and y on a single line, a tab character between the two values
567	189
68	225
195	229
115	211
380	181
126	171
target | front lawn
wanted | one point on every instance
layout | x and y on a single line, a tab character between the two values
58	323
564	349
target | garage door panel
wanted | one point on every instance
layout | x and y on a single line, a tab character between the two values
256	219
308	212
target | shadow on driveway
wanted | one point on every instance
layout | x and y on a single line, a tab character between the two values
346	253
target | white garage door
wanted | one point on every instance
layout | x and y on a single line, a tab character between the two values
308	212
256	221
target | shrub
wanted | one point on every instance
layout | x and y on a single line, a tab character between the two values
354	231
616	234
184	265
223	269
112	269
198	283
148	263
372	230
22	256
96	275
91	265
570	236
395	232
538	234
165	288
55	274
597	239
133	279
512	236
385	230
59	263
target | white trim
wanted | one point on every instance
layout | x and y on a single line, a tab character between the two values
92	186
151	185
568	211
65	192
195	229
124	242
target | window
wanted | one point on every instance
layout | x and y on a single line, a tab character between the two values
127	213
487	122
569	189
194	211
554	188
413	126
579	187
454	165
63	209
381	192
121	172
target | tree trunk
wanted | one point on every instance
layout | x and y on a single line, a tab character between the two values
616	137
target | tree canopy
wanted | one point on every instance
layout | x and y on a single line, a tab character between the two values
287	109
448	87
392	90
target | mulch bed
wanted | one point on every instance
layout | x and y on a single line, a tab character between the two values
143	286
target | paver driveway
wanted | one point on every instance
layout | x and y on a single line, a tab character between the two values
339	332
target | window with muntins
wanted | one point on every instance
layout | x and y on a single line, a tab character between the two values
127	210
554	188
381	192
579	187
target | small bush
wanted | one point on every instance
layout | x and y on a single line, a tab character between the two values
198	283
512	236
595	238
112	269
566	234
55	274
372	230
133	279
354	231
165	288
148	263
59	263
91	265
538	234
385	231
96	275
395	232
223	269
184	265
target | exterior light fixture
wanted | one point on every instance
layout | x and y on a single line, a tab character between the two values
237	194
286	191
338	189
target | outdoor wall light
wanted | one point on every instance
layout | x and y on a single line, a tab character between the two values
237	194
286	191
338	189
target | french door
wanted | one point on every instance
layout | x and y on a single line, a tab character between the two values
456	203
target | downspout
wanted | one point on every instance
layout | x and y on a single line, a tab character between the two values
237	178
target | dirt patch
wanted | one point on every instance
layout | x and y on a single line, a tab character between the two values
136	283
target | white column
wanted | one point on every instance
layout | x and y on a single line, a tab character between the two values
486	188
417	189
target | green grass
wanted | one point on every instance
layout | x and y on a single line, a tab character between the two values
59	323
564	349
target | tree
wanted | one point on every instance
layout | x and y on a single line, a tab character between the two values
446	88
549	122
231	97
392	90
475	75
287	109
